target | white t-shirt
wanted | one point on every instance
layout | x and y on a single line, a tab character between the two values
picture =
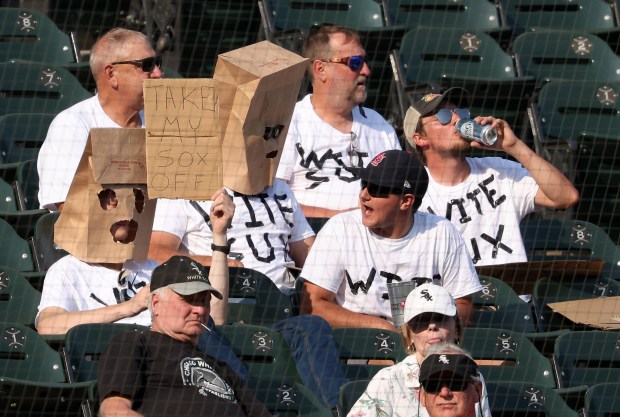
395	392
261	229
63	147
356	264
486	208
74	285
316	156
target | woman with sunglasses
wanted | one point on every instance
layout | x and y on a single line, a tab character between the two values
430	319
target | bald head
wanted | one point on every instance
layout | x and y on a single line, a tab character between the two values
114	46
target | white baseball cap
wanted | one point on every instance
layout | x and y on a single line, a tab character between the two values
429	298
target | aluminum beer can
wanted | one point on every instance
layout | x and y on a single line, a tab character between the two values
470	130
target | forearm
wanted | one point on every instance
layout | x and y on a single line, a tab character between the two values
218	275
54	320
558	189
311	211
464	306
338	316
117	407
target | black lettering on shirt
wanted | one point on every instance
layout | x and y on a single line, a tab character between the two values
266	259
312	157
497	241
364	286
473	196
489	193
253	222
475	250
458	202
283	209
318	180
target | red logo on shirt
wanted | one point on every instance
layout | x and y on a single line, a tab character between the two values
377	160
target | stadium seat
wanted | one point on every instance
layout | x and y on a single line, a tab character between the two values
37	87
434	58
31	35
350	392
367	345
27	186
586	358
45	251
255	299
603	400
84	345
550	239
575	127
21	135
272	372
498	306
505	356
19	301
571	55
553	290
522	399
16	253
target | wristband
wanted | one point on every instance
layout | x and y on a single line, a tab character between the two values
220	248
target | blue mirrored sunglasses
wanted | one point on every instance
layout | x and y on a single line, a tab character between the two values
355	62
445	115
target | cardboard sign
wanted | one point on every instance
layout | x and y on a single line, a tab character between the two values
602	313
183	138
258	87
113	163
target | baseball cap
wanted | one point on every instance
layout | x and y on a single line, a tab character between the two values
184	276
397	170
435	367
428	298
457	95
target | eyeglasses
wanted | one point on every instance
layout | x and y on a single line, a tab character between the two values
445	115
126	287
146	64
272	132
434	386
378	191
422	321
355	156
355	62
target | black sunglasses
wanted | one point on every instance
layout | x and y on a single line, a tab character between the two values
422	321
272	132
355	63
146	64
379	191
434	386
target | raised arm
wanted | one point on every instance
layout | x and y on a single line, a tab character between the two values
555	190
319	301
117	406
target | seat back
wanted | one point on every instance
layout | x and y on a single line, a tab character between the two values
18	299
27	185
31	35
26	355
37	87
571	55
45	251
587	358
359	346
15	253
350	392
84	345
8	201
503	356
498	306
255	299
22	134
588	15
553	290
480	15
520	399
603	400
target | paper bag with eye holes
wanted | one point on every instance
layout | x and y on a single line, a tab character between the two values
113	164
258	87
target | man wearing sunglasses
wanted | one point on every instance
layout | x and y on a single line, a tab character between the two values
330	132
120	60
359	252
451	384
485	198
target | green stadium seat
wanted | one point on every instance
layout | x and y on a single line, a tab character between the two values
19	301
434	58
31	35
350	392
603	400
522	399
498	306
358	347
37	87
505	356
562	54
21	135
16	253
44	250
554	290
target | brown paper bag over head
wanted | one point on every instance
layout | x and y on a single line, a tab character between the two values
183	138
258	87
108	216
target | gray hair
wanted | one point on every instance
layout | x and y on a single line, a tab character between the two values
162	293
112	46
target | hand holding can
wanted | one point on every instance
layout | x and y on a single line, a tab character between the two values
470	130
